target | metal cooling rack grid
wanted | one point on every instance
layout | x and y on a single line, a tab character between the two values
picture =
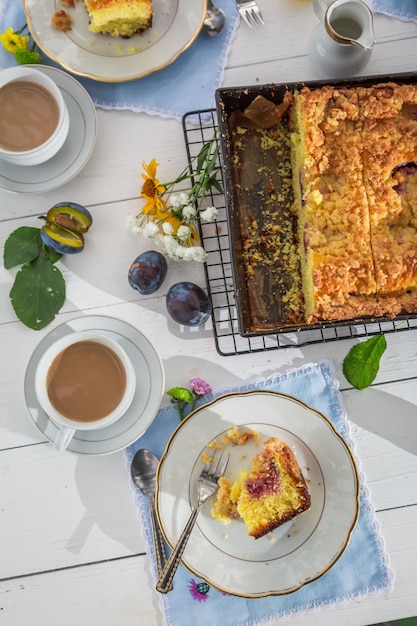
200	127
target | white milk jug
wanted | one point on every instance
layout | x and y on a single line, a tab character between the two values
341	45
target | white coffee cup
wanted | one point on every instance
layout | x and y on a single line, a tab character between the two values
84	381
34	119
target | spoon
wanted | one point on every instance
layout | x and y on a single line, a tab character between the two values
143	471
214	21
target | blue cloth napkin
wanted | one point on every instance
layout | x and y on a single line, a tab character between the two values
404	9
362	569
188	84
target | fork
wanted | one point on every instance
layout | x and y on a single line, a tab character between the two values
207	485
250	12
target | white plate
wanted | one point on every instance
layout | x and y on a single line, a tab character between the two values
176	24
145	404
294	554
75	152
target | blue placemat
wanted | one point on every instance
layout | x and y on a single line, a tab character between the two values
188	84
403	9
362	570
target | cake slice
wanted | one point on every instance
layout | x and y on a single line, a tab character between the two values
119	18
271	493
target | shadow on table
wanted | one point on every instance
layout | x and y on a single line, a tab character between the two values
385	415
103	487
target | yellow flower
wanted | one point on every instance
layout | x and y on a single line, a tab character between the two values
12	41
152	191
151	183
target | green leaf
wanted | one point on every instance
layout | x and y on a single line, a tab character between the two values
22	246
38	292
52	255
202	155
213	182
181	393
212	163
25	57
361	364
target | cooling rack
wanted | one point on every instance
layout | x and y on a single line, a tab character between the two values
199	127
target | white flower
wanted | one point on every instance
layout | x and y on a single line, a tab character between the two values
178	200
209	214
183	232
184	198
188	254
198	254
188	212
167	228
180	253
175	200
133	225
169	245
150	230
194	253
159	238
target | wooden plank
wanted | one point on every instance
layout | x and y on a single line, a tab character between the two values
62	509
122	591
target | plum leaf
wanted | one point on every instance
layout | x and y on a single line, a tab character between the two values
23	245
38	292
361	363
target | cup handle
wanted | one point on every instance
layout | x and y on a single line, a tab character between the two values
63	438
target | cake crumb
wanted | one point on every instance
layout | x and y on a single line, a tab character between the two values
61	21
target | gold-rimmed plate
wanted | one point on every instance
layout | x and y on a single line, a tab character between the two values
113	59
294	554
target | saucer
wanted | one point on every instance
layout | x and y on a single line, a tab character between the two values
75	152
146	401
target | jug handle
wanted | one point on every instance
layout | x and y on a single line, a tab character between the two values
320	7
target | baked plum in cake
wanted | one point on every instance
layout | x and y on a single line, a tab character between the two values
119	18
271	493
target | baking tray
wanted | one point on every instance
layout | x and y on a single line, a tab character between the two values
199	127
261	291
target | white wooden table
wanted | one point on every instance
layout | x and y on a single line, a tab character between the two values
71	550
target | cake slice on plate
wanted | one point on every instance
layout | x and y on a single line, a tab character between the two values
271	493
119	18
